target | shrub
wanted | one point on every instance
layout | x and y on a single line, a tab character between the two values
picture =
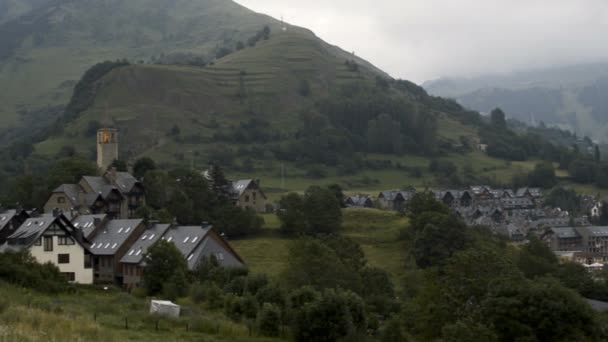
4	305
256	282
233	307
249	306
236	286
139	292
271	293
268	320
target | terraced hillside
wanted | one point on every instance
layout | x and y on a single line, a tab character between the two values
46	45
146	101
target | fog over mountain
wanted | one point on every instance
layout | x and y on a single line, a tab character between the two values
422	40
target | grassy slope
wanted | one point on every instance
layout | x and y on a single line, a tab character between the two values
92	315
147	100
377	231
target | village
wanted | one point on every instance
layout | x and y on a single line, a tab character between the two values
91	232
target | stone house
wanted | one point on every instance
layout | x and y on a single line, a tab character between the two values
359	201
247	194
395	199
117	194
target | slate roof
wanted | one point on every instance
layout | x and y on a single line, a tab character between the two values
187	239
358	200
597	231
86	223
391	195
240	186
71	191
564	233
112	236
140	247
32	229
125	182
6	217
534	192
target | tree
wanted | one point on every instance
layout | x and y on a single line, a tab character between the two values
434	245
269	320
163	262
291	213
520	311
423	202
566	199
498	119
236	222
338	192
322	211
143	165
543	176
120	165
240	45
218	180
536	259
266	32
69	171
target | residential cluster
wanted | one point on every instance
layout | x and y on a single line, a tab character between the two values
513	213
97	248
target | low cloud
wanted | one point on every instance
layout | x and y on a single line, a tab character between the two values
425	39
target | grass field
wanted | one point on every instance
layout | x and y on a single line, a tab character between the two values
376	231
96	315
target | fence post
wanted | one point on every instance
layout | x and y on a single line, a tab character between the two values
126	323
95	316
156	325
187	326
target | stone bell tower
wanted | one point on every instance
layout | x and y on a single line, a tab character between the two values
107	147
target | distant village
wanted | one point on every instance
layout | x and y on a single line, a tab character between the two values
90	231
515	214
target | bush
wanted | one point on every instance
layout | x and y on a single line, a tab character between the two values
139	292
268	320
272	294
233	307
207	292
4	305
256	282
22	269
236	286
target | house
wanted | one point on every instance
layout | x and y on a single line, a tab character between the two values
133	262
395	199
110	243
53	238
565	239
194	242
247	194
117	194
532	193
359	201
10	220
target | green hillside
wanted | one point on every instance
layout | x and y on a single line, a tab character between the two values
46	45
264	83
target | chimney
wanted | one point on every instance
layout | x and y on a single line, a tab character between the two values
152	223
96	222
57	212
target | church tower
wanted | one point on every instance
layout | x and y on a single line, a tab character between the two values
107	147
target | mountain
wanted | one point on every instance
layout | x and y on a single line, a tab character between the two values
571	97
46	45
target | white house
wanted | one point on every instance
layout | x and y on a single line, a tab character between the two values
52	238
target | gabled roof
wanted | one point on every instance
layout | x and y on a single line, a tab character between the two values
113	235
71	191
240	186
534	192
6	217
359	200
125	182
100	186
566	232
86	223
186	238
391	195
27	234
136	253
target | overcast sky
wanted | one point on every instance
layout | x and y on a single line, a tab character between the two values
426	39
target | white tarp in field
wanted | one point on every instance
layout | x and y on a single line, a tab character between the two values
165	308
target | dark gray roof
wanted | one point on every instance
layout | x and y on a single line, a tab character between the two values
86	223
6	217
563	233
597	305
187	239
71	191
27	233
597	231
136	253
112	236
240	186
358	200
391	195
125	182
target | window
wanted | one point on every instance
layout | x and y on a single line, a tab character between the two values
70	276
65	241
170	238
48	243
219	256
195	239
151	236
60	199
87	261
38	242
255	194
186	239
247	198
144	237
63	259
